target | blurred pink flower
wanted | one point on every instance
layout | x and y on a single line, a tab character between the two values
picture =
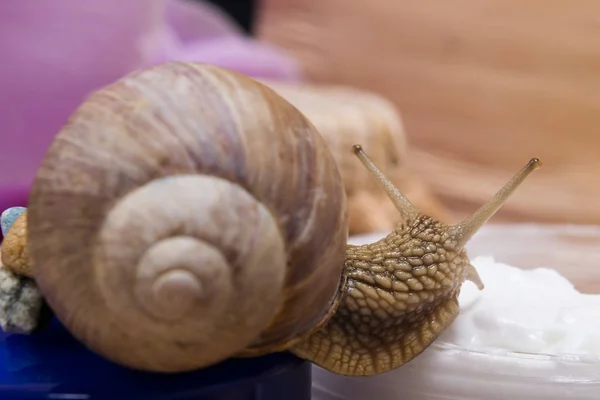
53	53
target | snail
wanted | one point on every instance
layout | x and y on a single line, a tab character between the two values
186	214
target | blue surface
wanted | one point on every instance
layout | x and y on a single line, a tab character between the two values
53	365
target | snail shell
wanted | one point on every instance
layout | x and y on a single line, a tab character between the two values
186	214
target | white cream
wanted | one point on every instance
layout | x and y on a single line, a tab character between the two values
531	311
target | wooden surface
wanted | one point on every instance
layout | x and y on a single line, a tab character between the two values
482	87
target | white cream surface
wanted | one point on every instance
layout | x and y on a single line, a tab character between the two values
531	311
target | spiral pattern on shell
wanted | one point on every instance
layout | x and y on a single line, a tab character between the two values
186	214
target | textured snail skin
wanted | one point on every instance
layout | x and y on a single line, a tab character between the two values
186	214
402	291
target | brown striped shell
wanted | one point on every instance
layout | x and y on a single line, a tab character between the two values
186	214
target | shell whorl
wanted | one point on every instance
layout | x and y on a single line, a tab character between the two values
186	214
185	265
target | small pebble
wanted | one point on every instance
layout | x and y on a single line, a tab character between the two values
15	254
21	303
8	217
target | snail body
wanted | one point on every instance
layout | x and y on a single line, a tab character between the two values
187	214
402	291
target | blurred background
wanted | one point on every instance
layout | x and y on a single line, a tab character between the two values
450	98
241	11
